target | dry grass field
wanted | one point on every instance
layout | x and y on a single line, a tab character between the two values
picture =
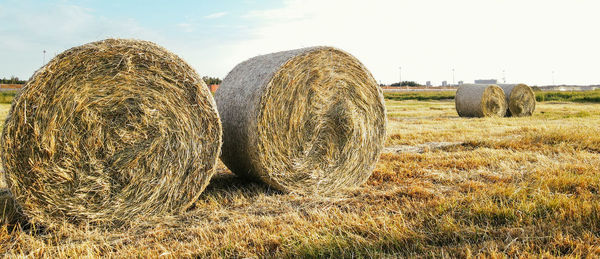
446	187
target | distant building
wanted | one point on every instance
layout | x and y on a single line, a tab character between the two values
444	83
213	88
428	83
486	81
461	82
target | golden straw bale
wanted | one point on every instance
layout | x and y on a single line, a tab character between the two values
480	100
309	120
110	130
520	99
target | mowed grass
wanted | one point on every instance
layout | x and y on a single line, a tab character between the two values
511	187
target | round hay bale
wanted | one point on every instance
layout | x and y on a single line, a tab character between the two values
307	121
110	130
477	100
520	99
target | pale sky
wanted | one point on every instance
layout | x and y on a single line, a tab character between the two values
479	39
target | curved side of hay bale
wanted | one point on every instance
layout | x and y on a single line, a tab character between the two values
309	120
478	100
238	102
520	99
110	130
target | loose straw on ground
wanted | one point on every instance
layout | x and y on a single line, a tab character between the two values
475	100
107	131
309	120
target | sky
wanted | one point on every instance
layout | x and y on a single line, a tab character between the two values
524	41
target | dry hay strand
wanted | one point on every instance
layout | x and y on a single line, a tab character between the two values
306	121
110	130
478	100
520	99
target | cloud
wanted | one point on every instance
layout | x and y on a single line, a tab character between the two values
429	38
215	15
55	28
187	27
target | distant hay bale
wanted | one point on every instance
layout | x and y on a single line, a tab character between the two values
309	120
110	130
520	99
478	100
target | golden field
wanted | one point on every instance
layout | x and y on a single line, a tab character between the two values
446	187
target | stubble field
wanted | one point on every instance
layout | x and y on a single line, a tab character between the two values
445	187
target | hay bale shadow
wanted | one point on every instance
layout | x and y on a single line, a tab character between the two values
224	182
12	216
10	212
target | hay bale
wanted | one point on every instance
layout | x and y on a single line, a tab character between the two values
309	120
520	99
479	100
109	130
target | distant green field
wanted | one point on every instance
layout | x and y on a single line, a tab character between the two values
420	96
7	96
580	97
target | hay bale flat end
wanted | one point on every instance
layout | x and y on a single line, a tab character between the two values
107	131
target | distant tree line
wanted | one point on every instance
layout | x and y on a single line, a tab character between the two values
12	80
406	83
211	80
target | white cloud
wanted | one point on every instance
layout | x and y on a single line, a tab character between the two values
55	28
215	15
428	38
186	27
479	38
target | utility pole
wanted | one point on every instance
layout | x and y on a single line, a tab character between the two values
553	77
44	60
400	69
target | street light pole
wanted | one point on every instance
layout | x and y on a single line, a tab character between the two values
400	69
44	60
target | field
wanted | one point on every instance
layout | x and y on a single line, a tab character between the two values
445	187
582	97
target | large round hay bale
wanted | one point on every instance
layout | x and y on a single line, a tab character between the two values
520	99
309	120
479	100
110	130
